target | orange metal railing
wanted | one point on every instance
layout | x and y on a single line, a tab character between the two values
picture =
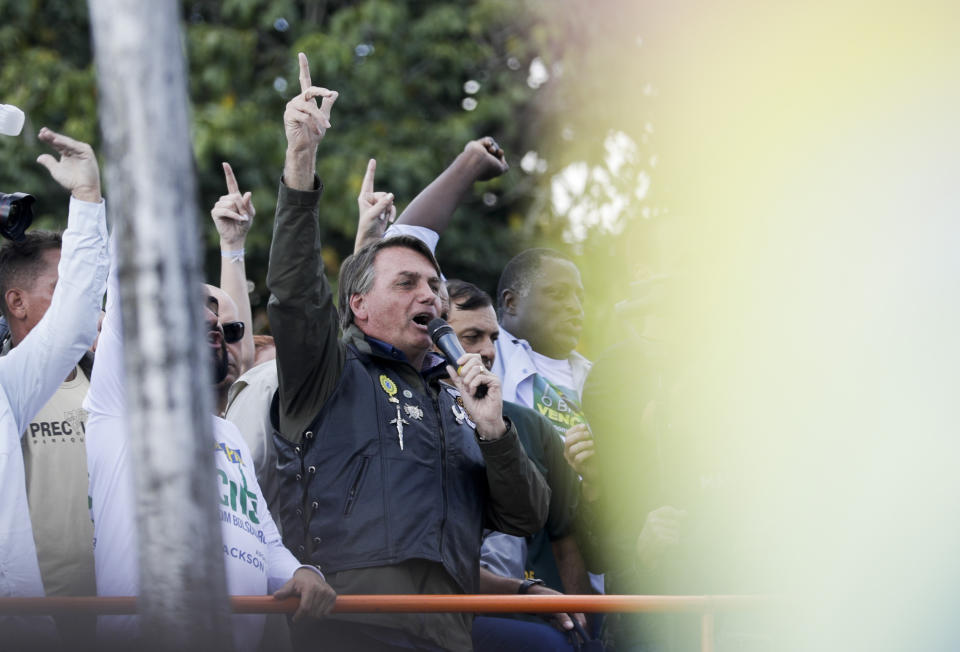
417	604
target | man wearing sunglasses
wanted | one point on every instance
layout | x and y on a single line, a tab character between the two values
233	331
254	557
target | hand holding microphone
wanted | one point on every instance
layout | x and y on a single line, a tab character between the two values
446	340
479	388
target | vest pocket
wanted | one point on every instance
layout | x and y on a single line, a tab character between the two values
355	485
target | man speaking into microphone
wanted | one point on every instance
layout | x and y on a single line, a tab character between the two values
386	477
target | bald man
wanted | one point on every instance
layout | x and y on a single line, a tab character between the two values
233	330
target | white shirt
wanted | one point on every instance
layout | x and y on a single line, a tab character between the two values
255	560
516	366
504	554
32	372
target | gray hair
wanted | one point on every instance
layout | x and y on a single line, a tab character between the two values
357	273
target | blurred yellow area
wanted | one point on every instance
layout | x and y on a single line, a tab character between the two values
806	156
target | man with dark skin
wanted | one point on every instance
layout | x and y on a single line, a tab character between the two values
545	306
540	305
540	298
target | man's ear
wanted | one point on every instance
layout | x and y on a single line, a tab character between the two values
358	305
508	302
16	307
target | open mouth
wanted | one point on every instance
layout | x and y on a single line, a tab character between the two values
422	319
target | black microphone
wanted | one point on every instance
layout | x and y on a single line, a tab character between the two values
446	340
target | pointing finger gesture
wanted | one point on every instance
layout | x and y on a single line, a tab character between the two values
233	213
304	122
376	210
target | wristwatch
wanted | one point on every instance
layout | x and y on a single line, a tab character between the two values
526	584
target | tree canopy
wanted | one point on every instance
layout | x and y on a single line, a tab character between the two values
417	81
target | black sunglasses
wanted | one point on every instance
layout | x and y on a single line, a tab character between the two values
232	331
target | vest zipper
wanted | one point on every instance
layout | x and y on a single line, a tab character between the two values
443	470
355	489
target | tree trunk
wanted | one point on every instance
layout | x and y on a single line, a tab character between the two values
150	180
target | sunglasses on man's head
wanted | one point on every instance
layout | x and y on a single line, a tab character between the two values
232	331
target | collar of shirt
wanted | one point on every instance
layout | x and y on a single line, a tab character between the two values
262	375
515	364
523	344
432	363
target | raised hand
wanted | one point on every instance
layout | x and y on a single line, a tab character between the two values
488	157
233	213
578	450
304	122
77	169
376	209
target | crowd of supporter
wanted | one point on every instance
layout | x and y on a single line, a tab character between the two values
351	458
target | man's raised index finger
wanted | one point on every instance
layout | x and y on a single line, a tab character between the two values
367	185
232	187
304	72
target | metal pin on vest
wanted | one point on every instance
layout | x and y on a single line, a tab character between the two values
399	421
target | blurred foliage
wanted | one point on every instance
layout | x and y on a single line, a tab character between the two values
400	69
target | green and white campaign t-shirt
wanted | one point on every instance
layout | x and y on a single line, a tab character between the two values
550	393
255	559
550	386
